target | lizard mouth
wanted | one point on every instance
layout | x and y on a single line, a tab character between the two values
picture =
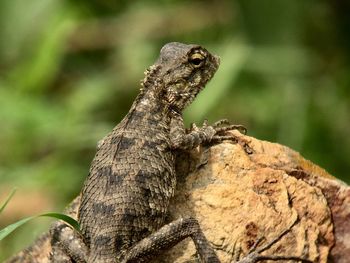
217	60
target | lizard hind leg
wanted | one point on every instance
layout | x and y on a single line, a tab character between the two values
68	244
168	236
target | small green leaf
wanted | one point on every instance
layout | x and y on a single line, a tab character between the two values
7	200
71	221
10	228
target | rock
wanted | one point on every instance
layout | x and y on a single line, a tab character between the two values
255	191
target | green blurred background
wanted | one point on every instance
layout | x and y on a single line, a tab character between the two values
69	71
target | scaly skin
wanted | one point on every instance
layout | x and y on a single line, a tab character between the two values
125	198
132	177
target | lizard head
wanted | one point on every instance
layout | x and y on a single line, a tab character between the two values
184	70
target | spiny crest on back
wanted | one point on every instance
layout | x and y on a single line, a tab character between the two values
151	77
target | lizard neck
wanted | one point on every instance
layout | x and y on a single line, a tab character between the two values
151	103
152	98
150	106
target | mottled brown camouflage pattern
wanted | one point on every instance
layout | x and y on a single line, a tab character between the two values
132	177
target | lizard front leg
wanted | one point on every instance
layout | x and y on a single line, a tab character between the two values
180	139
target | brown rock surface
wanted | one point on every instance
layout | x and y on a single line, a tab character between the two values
243	192
253	190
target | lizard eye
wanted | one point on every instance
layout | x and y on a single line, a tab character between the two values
197	60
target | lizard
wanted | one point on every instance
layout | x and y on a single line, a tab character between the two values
123	204
132	177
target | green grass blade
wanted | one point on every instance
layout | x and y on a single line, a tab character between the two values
7	200
69	220
10	228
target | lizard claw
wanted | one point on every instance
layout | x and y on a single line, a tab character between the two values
220	138
193	127
205	123
240	128
220	134
229	127
221	122
216	133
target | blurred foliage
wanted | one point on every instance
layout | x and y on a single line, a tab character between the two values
69	71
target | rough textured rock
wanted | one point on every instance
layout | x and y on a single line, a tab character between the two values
336	192
253	190
242	194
